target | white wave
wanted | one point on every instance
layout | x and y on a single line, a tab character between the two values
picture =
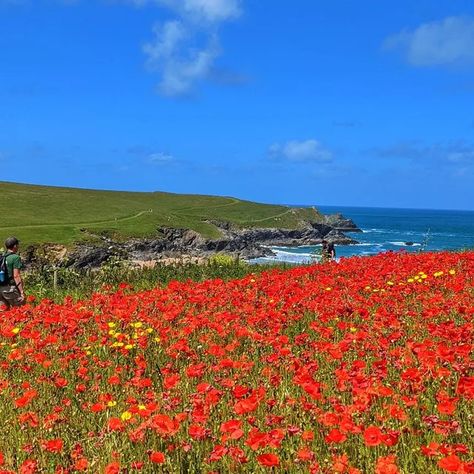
404	244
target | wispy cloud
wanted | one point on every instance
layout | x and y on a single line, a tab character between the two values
301	151
456	157
440	43
183	51
160	158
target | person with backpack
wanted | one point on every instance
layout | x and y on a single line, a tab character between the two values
328	252
11	284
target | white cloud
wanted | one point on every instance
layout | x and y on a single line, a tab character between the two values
160	158
440	43
208	10
180	65
301	151
183	51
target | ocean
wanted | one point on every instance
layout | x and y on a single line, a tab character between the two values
411	230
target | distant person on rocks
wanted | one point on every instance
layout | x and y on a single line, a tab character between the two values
11	288
328	252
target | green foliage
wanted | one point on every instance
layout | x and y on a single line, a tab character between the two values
65	215
224	260
81	284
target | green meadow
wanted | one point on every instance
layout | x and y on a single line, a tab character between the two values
40	214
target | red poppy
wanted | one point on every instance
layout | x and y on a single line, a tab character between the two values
115	424
386	465
450	463
81	464
53	445
157	457
268	460
373	436
112	468
335	436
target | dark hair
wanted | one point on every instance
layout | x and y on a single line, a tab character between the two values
11	242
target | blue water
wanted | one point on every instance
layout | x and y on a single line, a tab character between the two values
390	229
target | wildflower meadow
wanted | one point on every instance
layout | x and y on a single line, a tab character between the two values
365	366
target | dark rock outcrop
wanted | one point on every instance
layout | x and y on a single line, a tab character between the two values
246	243
341	223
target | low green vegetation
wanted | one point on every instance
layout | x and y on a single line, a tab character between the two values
57	284
65	215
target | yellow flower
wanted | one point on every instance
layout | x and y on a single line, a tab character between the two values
15	330
452	272
137	325
353	329
390	283
112	403
126	415
141	407
112	332
328	288
129	346
149	330
111	324
157	339
410	280
438	274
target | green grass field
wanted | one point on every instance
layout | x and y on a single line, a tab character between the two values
39	214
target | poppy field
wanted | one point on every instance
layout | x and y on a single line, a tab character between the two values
365	366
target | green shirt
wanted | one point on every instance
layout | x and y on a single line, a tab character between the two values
13	261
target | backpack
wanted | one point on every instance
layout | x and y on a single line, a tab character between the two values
4	278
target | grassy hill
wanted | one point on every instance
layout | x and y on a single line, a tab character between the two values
38	214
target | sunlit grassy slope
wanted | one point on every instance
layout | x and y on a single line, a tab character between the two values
37	214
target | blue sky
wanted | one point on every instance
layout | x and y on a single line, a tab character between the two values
333	102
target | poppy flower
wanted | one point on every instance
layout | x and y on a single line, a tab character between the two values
373	436
157	457
268	460
450	463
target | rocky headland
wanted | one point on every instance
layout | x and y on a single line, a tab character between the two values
175	243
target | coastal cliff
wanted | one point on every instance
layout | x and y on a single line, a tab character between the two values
245	243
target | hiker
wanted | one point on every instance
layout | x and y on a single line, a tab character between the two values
328	252
11	289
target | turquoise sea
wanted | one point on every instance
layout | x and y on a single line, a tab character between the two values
393	230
